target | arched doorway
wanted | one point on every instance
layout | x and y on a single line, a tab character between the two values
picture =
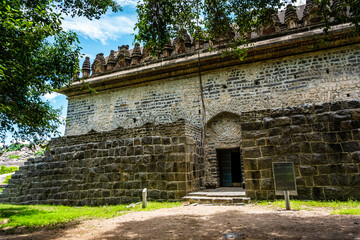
223	153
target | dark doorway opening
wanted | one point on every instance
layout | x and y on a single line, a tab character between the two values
231	174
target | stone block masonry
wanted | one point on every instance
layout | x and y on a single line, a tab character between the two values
322	140
112	168
322	76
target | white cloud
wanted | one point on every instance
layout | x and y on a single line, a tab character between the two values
104	29
62	118
51	96
91	56
127	2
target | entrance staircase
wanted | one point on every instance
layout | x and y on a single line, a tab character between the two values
218	196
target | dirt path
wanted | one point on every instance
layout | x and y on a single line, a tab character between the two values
210	222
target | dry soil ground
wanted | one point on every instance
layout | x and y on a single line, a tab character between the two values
209	222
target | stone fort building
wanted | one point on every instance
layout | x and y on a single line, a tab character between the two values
189	119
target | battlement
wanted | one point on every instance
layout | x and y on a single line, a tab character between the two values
289	21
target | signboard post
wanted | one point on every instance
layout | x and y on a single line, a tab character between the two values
284	178
144	198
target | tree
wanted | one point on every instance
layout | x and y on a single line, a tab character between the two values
162	20
37	57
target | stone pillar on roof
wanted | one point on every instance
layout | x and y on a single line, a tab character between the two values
168	49
86	68
111	61
311	13
291	18
136	55
98	65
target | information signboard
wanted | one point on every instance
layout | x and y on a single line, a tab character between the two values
284	177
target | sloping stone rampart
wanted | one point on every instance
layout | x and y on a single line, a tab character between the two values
112	168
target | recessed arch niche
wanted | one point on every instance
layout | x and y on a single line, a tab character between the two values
222	132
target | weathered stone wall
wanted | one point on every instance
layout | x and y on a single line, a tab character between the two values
322	140
113	167
320	76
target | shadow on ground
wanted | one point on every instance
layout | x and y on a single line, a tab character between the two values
191	224
253	226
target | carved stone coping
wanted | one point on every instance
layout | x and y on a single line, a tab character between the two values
187	64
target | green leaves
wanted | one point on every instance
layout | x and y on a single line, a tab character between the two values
230	20
160	21
87	8
31	66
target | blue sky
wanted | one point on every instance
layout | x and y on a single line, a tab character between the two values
99	36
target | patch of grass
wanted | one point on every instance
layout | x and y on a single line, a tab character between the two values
14	156
40	153
12	147
156	205
351	211
338	207
5	170
7	178
35	216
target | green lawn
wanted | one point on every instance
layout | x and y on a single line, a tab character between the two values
5	170
34	216
337	207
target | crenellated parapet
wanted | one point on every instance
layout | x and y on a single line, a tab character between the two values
183	43
123	58
148	55
311	16
290	20
168	49
338	8
111	63
271	28
99	65
291	17
136	55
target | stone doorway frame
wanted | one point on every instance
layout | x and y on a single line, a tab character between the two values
222	131
231	150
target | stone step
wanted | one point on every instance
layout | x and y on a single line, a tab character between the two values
216	200
217	194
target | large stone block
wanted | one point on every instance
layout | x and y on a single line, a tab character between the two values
282	121
350	146
251	153
308	170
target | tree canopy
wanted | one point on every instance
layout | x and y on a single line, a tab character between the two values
162	20
37	57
